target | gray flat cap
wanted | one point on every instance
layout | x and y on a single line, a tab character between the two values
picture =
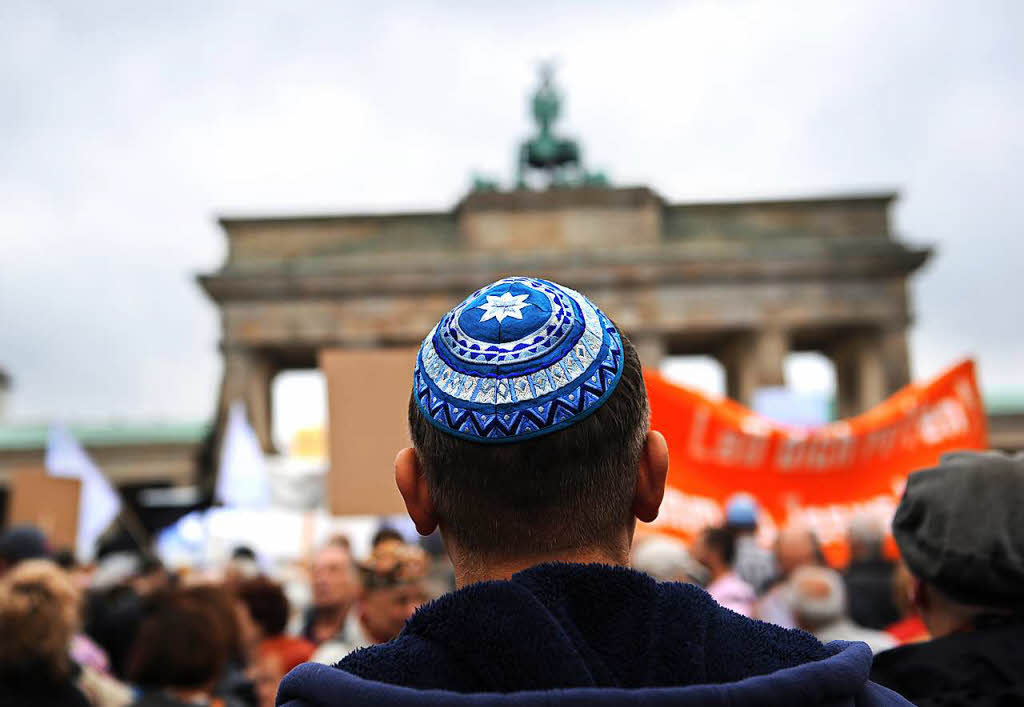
960	528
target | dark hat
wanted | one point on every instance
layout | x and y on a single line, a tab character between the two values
22	542
741	511
960	528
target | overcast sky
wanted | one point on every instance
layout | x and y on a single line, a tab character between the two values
125	128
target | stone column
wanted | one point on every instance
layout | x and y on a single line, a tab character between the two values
740	374
754	360
650	348
771	345
247	377
860	372
895	358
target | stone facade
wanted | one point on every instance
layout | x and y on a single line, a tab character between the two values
745	282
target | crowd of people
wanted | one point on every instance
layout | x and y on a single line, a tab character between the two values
127	631
790	584
542	593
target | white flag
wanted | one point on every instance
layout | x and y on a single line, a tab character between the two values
98	504
242	480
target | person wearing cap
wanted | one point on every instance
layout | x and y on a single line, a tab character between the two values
534	456
754	564
960	530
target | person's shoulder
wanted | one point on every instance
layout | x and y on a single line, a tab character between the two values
738	646
956	659
887	661
408	660
938	654
734	646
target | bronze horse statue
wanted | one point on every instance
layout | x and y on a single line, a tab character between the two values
559	157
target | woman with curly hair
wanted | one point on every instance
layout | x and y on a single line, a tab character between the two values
38	616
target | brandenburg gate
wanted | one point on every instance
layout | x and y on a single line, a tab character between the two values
745	282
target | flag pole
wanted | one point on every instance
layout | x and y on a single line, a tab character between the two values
132	524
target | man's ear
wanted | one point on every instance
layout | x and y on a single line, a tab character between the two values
413	487
650	477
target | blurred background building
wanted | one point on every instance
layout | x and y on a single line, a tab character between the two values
743	282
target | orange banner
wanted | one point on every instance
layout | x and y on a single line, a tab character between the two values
820	476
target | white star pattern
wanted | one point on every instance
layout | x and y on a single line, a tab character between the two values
507	305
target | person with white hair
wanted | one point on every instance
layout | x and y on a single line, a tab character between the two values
667	560
818	601
795	546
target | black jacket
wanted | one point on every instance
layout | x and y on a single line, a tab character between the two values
870	593
40	690
978	668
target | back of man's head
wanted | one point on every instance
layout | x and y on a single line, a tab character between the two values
547	462
960	530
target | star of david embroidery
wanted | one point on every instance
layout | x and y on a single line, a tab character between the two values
507	305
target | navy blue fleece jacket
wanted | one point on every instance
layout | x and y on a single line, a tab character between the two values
564	634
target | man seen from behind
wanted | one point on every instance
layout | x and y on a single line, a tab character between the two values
534	456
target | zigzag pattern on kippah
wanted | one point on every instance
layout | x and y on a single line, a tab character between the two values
565	407
517	359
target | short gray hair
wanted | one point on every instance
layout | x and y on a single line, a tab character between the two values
817	595
667	560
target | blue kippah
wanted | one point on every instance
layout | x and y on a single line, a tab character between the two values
517	359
